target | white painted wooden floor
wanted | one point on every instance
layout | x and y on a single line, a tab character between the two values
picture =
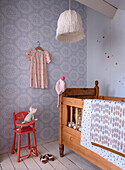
70	161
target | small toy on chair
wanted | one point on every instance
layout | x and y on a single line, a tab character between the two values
60	87
30	116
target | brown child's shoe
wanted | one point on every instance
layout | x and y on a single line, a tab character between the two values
50	157
43	159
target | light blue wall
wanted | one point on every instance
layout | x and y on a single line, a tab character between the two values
22	24
106	37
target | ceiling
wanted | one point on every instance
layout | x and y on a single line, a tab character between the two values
120	4
105	7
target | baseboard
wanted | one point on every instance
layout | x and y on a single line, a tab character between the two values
48	141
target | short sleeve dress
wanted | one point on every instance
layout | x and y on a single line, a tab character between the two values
38	68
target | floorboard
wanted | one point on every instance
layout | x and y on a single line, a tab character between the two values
66	162
43	166
6	162
70	161
56	164
79	161
29	162
19	166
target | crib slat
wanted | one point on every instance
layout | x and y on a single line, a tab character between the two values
76	118
71	112
81	113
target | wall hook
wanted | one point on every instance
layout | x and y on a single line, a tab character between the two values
38	43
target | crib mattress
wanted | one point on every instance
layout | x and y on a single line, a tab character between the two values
85	138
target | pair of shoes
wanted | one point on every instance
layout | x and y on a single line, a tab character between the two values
46	157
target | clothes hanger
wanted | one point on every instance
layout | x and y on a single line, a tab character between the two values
38	47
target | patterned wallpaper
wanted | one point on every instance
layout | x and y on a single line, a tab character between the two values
22	24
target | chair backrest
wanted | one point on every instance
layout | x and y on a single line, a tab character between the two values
19	116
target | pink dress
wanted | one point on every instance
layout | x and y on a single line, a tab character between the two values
38	69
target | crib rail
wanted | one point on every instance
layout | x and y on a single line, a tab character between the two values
73	102
120	99
80	91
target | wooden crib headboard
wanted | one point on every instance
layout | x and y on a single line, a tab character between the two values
73	97
82	92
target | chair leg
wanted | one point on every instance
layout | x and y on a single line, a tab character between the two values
18	152
13	146
28	140
34	138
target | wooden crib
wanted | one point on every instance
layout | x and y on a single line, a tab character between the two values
70	109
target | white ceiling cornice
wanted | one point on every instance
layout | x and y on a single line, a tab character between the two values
100	6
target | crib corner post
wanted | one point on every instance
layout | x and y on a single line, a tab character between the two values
61	146
96	88
61	150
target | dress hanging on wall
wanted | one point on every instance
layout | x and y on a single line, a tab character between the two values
38	68
69	26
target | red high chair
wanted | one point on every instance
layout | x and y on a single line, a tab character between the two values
21	129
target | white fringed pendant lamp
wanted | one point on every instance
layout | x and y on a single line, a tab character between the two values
69	26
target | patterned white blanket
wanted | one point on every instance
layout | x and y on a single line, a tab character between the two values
108	124
85	138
